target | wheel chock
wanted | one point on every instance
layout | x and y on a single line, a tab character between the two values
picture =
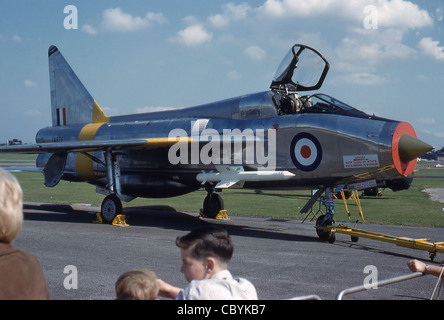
222	215
119	221
98	218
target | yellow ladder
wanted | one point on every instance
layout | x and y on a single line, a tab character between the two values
355	204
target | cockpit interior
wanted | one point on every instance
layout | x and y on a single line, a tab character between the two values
304	69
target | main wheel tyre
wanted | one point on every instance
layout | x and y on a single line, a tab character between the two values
111	207
213	203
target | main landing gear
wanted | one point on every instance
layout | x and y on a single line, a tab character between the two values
111	205
111	208
212	204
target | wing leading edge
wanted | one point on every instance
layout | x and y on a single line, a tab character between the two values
95	145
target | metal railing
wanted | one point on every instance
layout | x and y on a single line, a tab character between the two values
381	283
308	297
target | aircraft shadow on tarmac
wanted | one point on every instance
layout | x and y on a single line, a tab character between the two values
154	216
375	249
168	218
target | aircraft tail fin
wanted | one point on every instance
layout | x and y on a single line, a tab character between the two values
71	103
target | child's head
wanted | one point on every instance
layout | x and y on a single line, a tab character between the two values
11	206
204	252
137	285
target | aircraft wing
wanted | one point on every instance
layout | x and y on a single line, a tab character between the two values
93	145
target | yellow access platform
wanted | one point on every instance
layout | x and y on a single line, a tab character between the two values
419	244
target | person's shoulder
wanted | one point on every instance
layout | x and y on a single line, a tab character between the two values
220	288
25	256
6	248
245	289
206	289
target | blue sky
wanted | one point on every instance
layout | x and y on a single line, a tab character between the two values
387	57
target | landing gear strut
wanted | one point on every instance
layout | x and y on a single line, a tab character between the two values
111	205
326	220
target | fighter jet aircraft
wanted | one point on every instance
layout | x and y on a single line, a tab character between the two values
282	138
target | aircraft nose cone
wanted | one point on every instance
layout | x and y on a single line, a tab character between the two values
410	148
406	148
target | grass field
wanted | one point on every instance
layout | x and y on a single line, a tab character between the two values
411	207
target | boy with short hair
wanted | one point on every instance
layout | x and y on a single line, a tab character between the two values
137	285
205	254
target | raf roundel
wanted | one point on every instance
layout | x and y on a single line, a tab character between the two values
306	152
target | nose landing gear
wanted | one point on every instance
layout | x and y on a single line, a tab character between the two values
326	220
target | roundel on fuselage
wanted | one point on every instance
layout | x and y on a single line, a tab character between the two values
305	151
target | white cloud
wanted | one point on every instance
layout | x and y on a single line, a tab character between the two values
426	120
117	20
422	78
219	21
402	14
234	75
193	36
32	113
361	78
255	53
148	109
373	47
17	39
431	48
358	56
155	17
236	12
89	29
340	9
439	14
231	12
29	83
359	45
390	13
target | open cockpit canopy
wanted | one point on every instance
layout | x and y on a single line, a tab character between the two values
302	69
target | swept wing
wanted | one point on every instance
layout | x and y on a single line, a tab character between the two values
95	145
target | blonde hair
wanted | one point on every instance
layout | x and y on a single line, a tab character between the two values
137	285
11	207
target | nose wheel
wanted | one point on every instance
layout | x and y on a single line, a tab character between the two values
323	224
